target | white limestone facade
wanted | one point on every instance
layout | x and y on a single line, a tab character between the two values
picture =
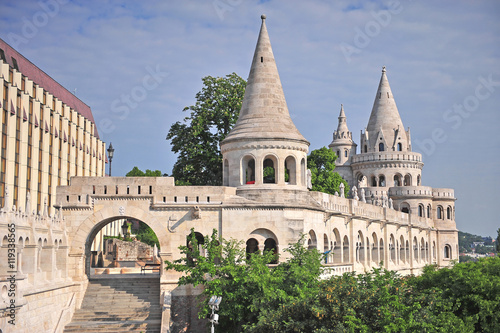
264	202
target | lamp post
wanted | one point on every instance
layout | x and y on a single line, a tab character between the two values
214	303
111	151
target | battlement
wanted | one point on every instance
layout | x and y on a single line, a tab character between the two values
443	194
157	189
411	191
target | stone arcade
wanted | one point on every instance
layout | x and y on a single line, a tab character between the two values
391	218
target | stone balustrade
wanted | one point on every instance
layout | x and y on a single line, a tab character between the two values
387	157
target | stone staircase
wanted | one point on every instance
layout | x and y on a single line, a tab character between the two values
119	304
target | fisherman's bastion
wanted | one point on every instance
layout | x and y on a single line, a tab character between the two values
390	218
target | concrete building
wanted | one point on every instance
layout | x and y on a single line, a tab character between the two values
379	225
48	134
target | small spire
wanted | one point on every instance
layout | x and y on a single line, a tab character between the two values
263	17
342	113
383	69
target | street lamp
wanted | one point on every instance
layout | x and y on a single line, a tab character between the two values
214	303
111	151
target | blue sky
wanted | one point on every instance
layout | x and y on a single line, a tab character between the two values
138	64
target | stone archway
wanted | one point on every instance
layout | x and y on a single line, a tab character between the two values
83	235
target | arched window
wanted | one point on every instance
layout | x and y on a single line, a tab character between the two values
374	181
248	164
421	210
338	153
270	245
447	251
345	153
429	211
400	146
405	207
397	180
365	149
381	147
312	242
252	246
440	213
418	180
381	181
448	213
269	174
290	171
408	180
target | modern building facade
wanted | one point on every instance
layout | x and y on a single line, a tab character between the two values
48	135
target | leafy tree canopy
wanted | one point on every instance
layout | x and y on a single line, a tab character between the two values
196	139
136	172
247	284
324	179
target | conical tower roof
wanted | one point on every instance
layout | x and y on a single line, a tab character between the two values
342	128
385	113
264	114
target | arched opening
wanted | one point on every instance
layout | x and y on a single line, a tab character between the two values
400	146
408	180
291	170
122	245
338	154
415	250
397	180
312	241
248	174
440	213
252	247
407	252
423	258
337	243
360	248
200	241
271	246
405	208
429	211
448	213
421	210
392	249
447	251
346	153
418	180
375	249
345	248
402	256
326	249
381	181
381	147
303	171
374	181
381	250
269	170
225	177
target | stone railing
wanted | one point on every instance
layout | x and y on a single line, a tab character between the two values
330	270
387	157
417	191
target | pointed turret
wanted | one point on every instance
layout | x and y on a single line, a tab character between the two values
264	113
343	146
264	151
385	121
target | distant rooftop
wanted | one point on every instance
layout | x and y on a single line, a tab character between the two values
28	69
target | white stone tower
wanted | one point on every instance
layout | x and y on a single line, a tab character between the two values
264	150
344	147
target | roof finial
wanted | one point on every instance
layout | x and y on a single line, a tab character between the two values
383	69
263	17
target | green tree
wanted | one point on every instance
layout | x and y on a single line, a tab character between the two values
247	284
146	235
136	172
324	179
196	139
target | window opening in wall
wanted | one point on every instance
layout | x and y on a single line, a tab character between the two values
150	189
93	189
382	181
428	211
105	189
400	146
447	251
139	189
116	189
387	95
208	199
67	198
197	199
14	64
79	198
269	172
186	199
175	199
128	189
164	199
381	147
397	180
405	210
338	153
366	149
345	153
249	163
420	210
261	59
2	56
448	213
440	213
374	181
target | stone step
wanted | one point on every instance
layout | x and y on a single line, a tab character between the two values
110	326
